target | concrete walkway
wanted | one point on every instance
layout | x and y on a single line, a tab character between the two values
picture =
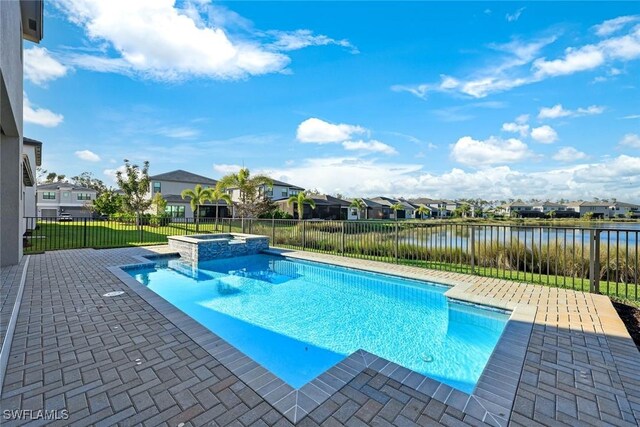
117	360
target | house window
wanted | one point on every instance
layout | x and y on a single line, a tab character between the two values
268	192
285	192
65	194
175	211
294	192
84	196
156	187
354	211
48	195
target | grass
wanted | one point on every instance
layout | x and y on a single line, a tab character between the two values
548	264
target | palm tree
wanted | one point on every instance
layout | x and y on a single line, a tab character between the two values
198	196
301	198
247	185
397	207
218	194
359	204
423	211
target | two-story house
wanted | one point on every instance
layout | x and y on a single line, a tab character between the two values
439	208
327	207
278	191
171	184
597	209
63	197
514	208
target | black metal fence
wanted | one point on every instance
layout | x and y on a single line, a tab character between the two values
582	258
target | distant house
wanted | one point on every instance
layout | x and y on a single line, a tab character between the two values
171	184
31	159
514	208
439	208
605	209
63	197
597	209
327	207
407	210
278	191
547	207
622	209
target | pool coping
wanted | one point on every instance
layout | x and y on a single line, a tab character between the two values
491	401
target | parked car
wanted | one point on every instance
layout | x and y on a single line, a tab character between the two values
65	217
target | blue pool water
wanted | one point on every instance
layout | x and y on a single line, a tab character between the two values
299	318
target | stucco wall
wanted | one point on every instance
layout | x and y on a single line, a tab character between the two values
11	223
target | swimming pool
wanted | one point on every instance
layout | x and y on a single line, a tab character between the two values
299	318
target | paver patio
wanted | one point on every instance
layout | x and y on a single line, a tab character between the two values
117	360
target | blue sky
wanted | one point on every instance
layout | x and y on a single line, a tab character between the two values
490	100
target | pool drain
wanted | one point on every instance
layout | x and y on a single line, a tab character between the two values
427	358
113	294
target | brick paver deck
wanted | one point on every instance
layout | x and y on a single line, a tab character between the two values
117	360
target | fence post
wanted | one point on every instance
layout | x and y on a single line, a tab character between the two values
397	240
342	240
84	243
304	236
273	231
594	261
472	249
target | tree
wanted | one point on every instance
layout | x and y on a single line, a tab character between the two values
553	214
397	207
107	203
301	198
588	216
218	194
86	179
134	183
198	196
360	205
630	214
248	187
423	211
159	204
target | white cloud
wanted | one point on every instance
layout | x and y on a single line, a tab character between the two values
111	173
373	146
512	17
631	117
569	154
631	140
521	64
87	155
154	39
318	131
178	132
589	57
225	169
558	111
522	129
364	177
40	116
492	151
544	134
40	67
611	26
299	39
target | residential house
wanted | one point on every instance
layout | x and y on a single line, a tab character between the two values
31	159
20	20
597	209
277	192
171	184
63	197
327	207
439	208
622	209
514	209
548	207
407	210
